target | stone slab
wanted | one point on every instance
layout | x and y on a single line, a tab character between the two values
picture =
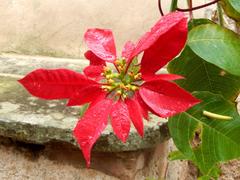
21	65
30	119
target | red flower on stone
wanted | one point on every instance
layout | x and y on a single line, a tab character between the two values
125	95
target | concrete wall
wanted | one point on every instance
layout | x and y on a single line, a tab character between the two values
56	27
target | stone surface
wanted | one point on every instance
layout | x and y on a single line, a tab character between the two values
30	119
157	164
179	169
21	65
22	161
231	170
55	161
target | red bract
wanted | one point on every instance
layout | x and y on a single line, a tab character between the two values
125	95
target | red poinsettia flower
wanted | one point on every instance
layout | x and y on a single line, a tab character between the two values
125	95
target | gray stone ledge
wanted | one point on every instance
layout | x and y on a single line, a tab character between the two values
29	119
21	65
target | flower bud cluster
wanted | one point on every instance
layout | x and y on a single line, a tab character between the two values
120	83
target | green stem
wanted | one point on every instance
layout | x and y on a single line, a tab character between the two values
216	116
173	5
220	14
238	27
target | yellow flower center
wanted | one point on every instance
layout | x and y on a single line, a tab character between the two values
124	82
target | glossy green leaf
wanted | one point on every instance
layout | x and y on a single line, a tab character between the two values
207	141
214	173
231	8
196	22
203	76
216	45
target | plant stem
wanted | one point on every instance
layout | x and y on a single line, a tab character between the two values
220	14
238	27
173	5
190	5
216	116
197	7
160	7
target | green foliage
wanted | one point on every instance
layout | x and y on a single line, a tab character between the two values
176	155
232	8
173	5
216	45
203	76
210	63
196	22
207	141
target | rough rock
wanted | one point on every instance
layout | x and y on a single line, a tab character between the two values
22	161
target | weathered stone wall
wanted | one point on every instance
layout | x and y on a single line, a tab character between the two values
59	161
22	161
56	27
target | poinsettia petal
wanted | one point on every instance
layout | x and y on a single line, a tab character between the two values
167	77
165	48
128	50
99	98
166	23
166	98
144	107
95	68
93	71
94	60
86	95
120	120
101	43
91	125
55	84
134	110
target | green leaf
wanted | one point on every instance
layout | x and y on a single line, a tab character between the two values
213	174
216	45
204	178
176	155
83	109
207	141
203	76
231	8
196	22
